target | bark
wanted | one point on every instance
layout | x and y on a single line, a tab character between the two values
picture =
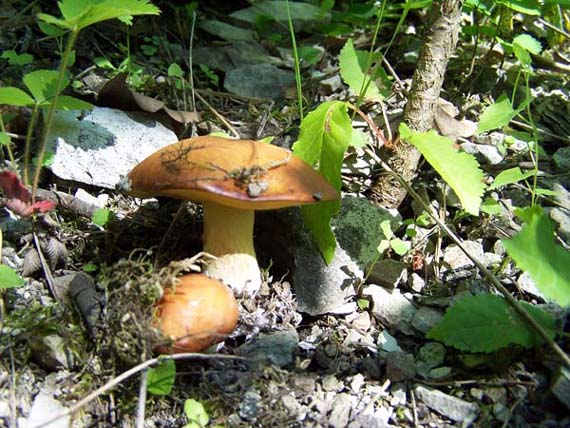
440	40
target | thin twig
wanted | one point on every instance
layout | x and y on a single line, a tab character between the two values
142	399
125	375
218	115
47	270
496	283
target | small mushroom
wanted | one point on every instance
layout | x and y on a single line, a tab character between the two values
196	313
232	178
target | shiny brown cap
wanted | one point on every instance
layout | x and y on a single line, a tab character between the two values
244	174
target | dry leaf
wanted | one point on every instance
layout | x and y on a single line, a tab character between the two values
444	117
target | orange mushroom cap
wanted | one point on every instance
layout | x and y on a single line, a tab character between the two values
244	174
197	313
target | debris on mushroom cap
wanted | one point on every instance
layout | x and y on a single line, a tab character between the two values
241	173
195	314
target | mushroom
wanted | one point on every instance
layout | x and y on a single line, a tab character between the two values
198	312
232	178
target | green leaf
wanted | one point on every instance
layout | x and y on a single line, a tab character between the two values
325	134
509	176
101	216
535	251
65	102
459	170
491	207
528	42
174	70
17	59
4	139
400	247
309	55
15	97
103	62
9	278
79	14
528	7
42	84
277	10
358	139
496	115
353	72
486	323
161	378
386	227
50	29
196	414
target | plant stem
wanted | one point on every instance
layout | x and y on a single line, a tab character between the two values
28	144
297	65
10	155
53	106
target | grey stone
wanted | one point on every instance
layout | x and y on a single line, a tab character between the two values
430	355
104	144
400	366
46	406
4	409
399	395
275	348
560	386
356	383
492	259
51	352
391	307
485	153
454	258
259	81
332	84
425	318
416	282
388	273
527	284
250	405
439	372
341	410
561	159
561	217
447	405
357	228
331	383
387	342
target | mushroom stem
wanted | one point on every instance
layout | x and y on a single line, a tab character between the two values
227	230
228	234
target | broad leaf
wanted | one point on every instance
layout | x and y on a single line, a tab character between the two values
42	84
65	102
196	414
509	176
528	42
325	134
486	323
79	14
9	278
353	73
15	97
499	114
459	170
528	7
535	251
161	378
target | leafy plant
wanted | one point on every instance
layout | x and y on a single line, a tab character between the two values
161	378
472	323
9	278
459	170
535	251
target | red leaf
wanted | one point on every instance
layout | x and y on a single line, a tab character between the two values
12	187
42	206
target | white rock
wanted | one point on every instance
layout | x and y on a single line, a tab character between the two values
101	146
45	407
391	307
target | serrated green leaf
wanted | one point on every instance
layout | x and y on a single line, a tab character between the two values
15	97
472	324
9	278
534	250
509	176
528	42
325	134
496	115
459	170
65	102
196	414
353	73
161	378
42	84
